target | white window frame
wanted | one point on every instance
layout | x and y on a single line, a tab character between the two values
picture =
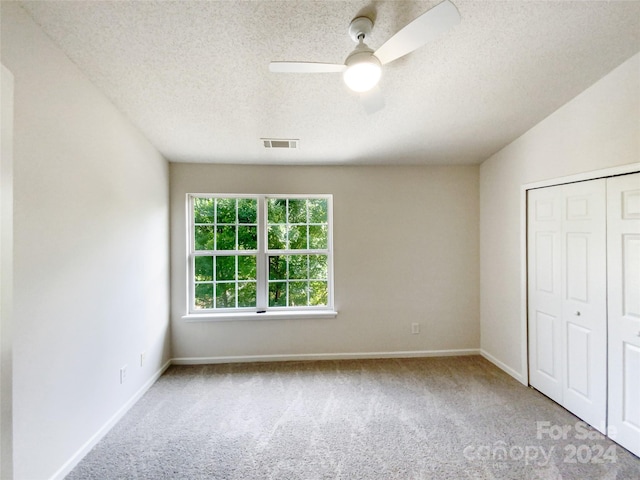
262	309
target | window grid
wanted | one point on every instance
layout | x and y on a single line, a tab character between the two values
240	286
310	286
287	289
299	289
224	289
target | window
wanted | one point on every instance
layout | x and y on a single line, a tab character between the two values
260	253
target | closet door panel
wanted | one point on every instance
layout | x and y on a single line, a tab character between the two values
578	347
584	310
544	291
623	265
631	386
567	296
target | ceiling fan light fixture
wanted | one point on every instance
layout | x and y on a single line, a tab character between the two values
363	72
363	67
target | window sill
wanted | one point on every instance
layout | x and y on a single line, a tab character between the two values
273	315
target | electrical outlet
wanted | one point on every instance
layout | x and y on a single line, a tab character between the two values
143	358
123	374
415	328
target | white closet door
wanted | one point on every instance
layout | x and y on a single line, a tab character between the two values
584	301
623	257
567	297
544	232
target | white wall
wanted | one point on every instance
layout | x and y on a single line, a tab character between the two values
406	250
90	254
598	129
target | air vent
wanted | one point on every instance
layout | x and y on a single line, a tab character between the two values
280	142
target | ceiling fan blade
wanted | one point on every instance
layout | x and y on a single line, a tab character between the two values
428	26
305	67
372	101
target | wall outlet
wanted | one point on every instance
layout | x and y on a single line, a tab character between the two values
415	328
123	374
143	358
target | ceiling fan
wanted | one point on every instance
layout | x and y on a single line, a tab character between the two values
362	68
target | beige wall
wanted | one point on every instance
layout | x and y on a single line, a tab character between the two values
406	250
91	261
598	129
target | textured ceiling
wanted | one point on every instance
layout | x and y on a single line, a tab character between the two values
193	75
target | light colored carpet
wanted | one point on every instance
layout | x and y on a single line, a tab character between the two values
433	418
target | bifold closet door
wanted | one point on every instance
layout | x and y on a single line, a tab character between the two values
544	232
623	258
567	297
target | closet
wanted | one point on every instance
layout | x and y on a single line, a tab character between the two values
583	273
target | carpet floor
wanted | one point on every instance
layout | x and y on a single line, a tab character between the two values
428	418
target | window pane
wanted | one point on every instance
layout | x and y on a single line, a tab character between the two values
277	237
298	237
318	293
225	295
226	238
203	209
318	267
277	268
297	294
247	294
247	210
297	210
225	268
318	210
277	294
226	212
204	295
318	236
298	266
246	268
247	238
203	269
203	237
277	210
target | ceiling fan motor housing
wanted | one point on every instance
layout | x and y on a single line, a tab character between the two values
360	27
362	55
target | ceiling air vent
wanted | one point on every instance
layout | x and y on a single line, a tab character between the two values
280	142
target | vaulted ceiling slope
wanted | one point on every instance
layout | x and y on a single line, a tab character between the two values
194	77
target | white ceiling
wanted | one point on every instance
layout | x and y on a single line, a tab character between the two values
193	75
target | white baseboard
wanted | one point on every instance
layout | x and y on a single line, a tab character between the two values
322	356
80	454
502	366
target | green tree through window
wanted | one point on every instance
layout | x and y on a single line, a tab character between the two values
225	246
244	260
298	231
